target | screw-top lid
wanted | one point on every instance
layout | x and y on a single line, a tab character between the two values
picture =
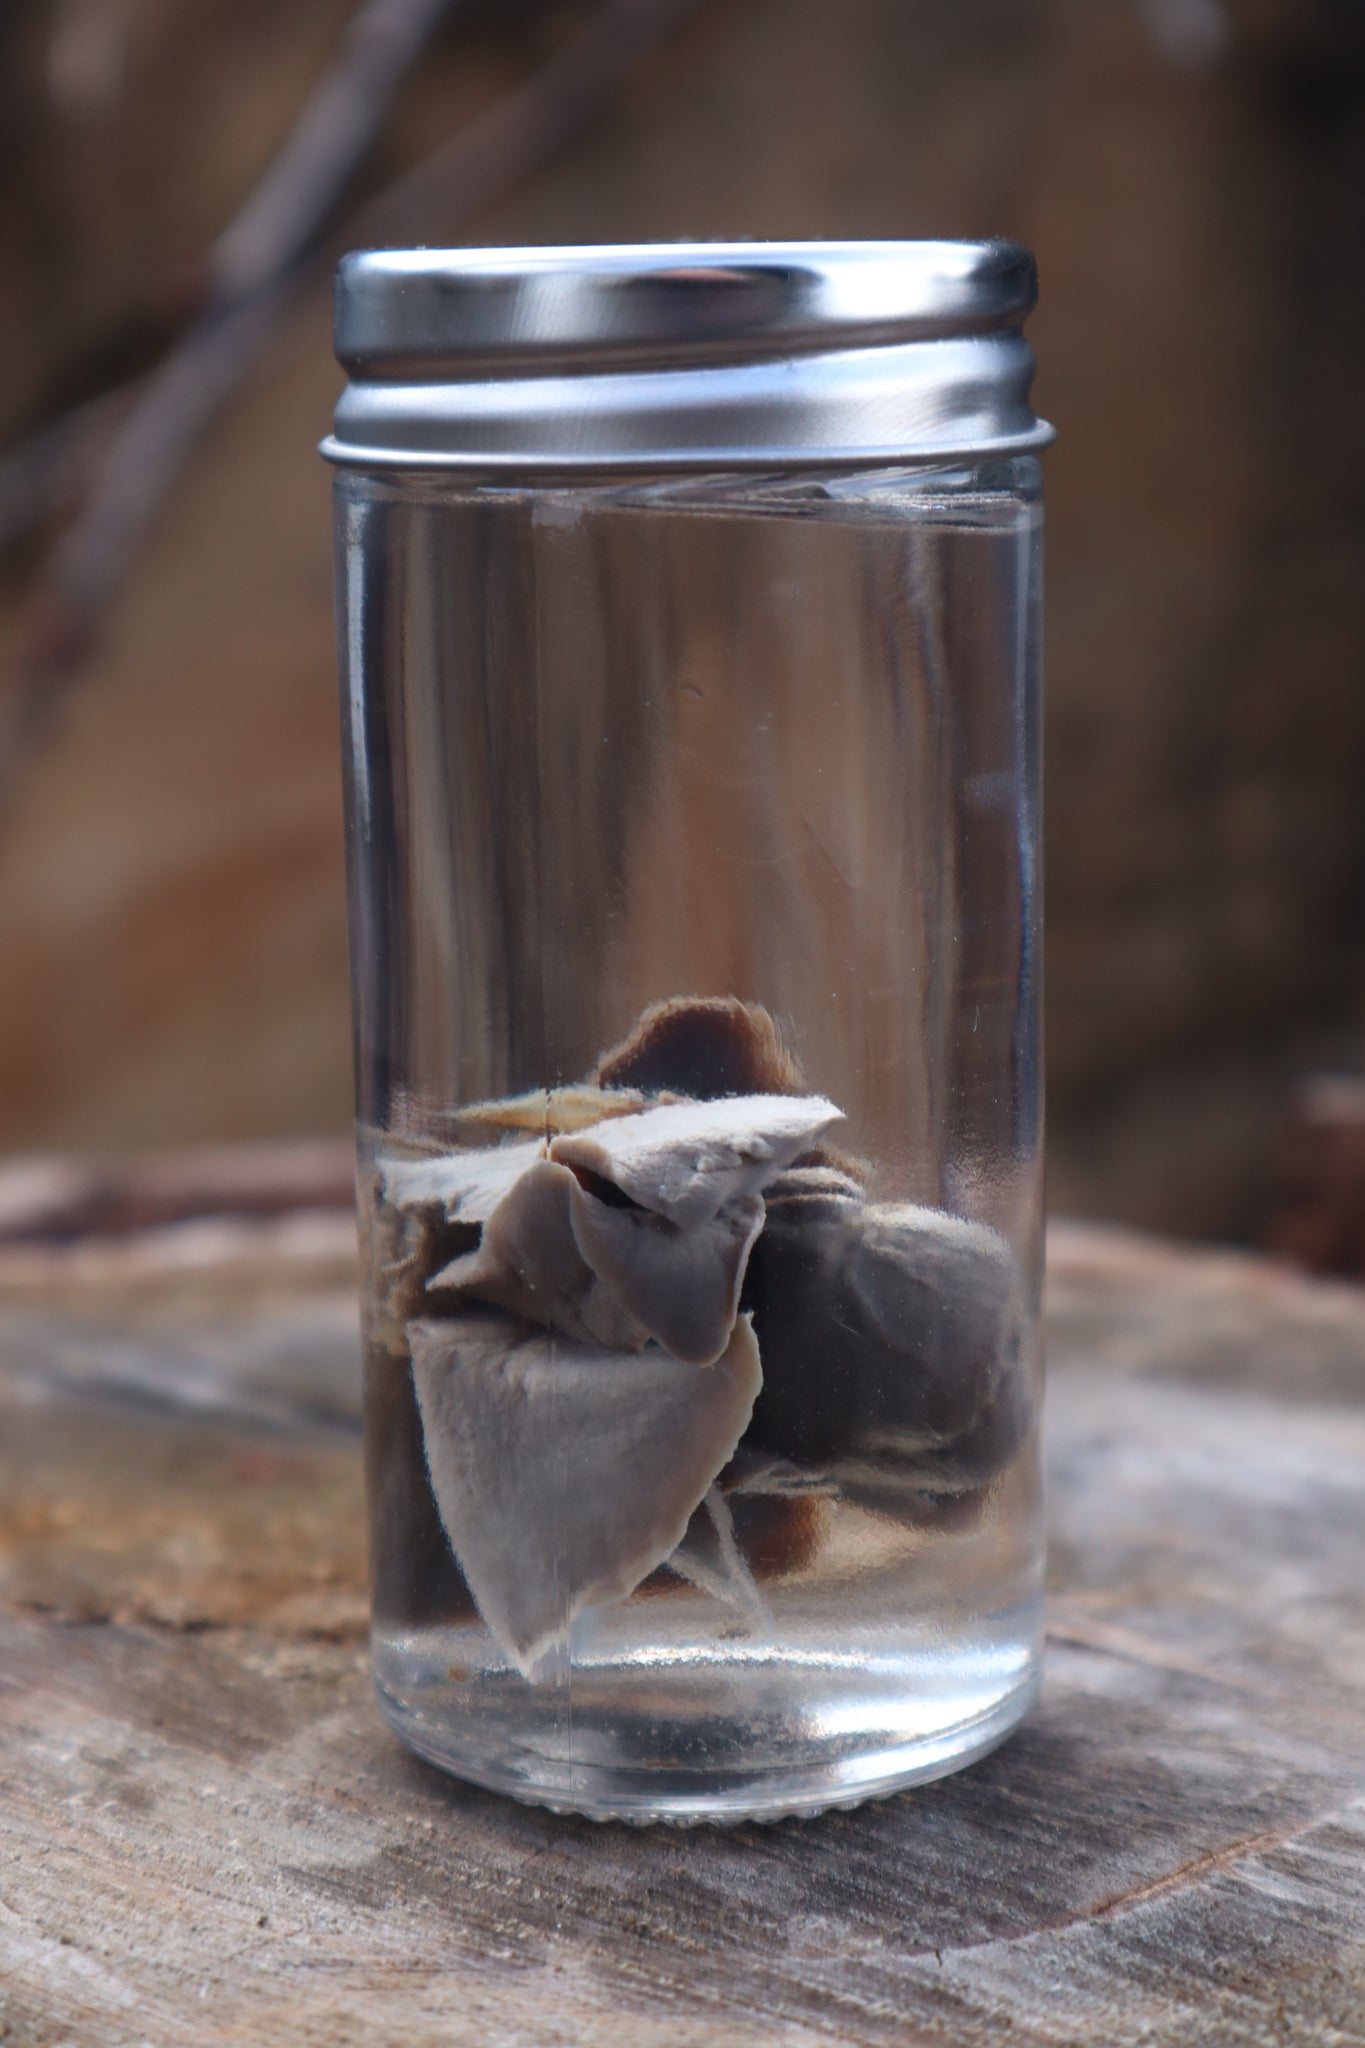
696	355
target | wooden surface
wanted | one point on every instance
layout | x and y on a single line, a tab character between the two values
206	1836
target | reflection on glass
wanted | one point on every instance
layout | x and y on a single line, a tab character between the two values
694	926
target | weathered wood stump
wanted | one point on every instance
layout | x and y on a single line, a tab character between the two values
207	1836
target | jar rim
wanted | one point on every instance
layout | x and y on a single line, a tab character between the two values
691	353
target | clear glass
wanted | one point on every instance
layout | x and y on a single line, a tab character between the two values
694	877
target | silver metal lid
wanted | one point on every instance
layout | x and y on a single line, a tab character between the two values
683	355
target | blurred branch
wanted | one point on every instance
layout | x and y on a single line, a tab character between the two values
325	148
244	280
223	1226
55	1200
255	270
472	170
282	218
43	475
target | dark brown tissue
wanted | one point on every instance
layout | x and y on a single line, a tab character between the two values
888	1334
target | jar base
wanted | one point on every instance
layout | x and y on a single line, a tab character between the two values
687	1794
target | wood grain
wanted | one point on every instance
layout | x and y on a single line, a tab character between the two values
206	1836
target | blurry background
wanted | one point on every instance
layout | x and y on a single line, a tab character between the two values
1191	175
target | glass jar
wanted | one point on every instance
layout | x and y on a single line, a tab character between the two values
688	613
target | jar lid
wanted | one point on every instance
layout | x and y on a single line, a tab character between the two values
683	355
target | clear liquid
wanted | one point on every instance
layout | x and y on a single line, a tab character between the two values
766	740
672	1720
866	1631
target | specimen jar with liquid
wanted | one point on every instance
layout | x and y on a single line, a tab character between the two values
688	610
